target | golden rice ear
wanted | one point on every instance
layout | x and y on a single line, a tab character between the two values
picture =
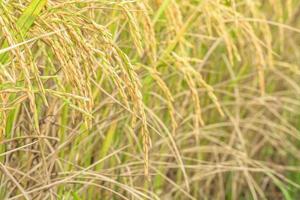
148	32
134	29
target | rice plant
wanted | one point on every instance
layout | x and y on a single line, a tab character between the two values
150	99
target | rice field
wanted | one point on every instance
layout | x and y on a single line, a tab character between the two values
150	99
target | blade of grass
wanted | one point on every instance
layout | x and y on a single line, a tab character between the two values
24	23
109	139
161	10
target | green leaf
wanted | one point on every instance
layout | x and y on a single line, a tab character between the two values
109	139
29	15
75	196
24	23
